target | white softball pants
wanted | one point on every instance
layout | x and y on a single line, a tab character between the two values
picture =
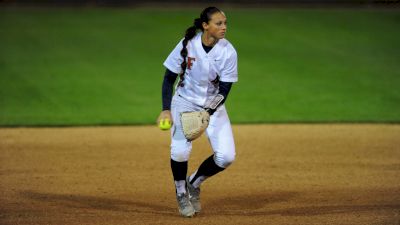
219	133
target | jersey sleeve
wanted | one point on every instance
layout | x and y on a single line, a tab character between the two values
230	71
174	60
167	89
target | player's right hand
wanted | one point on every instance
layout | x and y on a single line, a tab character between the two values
165	114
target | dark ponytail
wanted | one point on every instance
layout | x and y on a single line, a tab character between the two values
205	16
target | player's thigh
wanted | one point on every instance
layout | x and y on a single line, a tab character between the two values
220	135
180	147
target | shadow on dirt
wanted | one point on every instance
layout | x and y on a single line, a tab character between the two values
98	203
250	201
261	205
239	205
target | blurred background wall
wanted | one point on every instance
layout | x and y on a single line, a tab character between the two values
183	3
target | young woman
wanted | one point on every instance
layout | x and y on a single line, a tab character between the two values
207	66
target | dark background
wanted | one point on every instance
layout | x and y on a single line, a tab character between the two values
183	3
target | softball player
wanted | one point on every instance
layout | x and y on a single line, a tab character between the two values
207	66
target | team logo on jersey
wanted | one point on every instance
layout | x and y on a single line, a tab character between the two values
190	62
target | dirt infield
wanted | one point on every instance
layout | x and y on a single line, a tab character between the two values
283	174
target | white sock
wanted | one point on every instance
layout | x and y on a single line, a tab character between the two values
180	186
192	176
198	181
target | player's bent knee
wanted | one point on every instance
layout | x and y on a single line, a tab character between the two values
224	160
180	151
180	155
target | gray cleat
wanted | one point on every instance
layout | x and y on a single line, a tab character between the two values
185	208
194	196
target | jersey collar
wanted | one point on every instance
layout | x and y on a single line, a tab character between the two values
199	45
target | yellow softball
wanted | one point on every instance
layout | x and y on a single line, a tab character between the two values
165	124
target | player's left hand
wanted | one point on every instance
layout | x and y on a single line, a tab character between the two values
194	123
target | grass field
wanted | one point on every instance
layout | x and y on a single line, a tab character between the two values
104	66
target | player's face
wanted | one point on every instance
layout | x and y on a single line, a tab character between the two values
216	27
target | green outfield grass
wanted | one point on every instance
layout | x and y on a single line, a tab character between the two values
104	66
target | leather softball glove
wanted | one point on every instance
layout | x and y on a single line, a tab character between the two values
194	123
